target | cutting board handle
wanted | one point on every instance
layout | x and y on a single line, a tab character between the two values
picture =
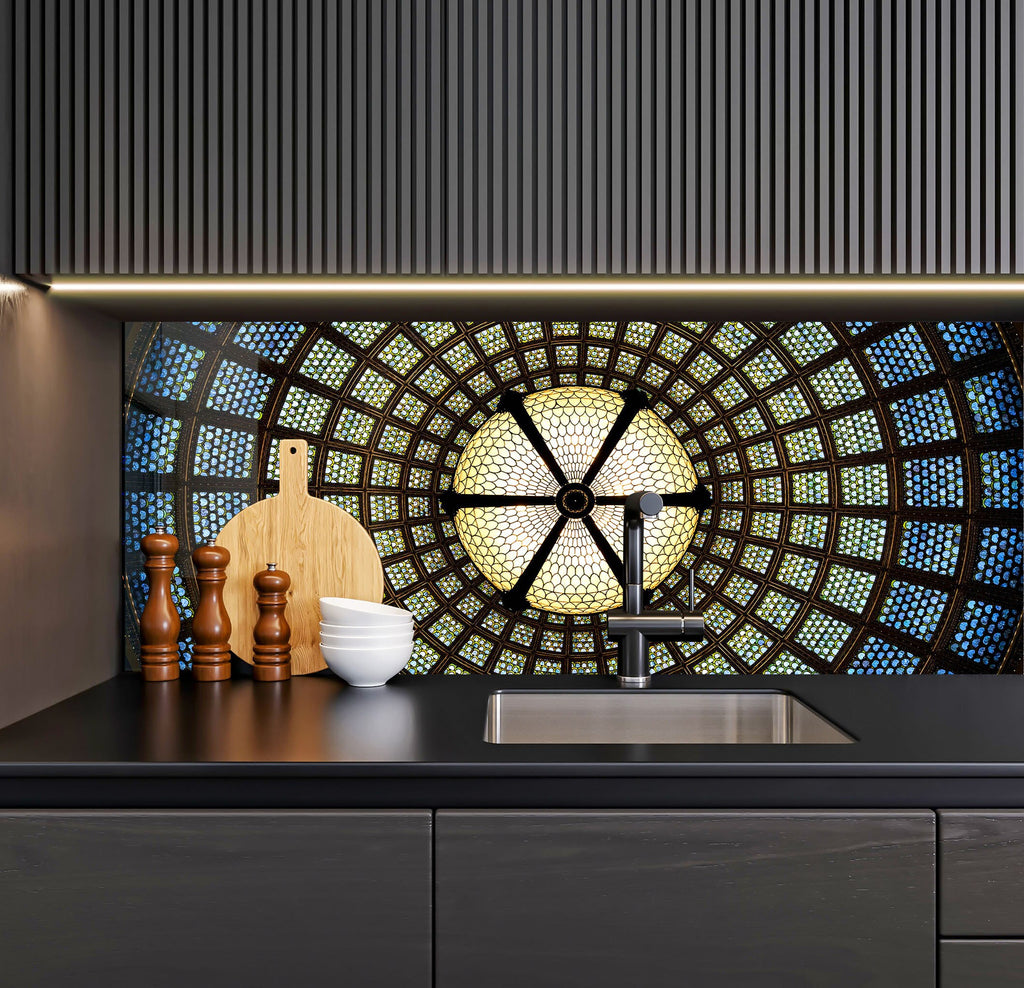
294	472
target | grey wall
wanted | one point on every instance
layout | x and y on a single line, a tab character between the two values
602	136
6	137
60	556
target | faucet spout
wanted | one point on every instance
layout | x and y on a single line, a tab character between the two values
631	624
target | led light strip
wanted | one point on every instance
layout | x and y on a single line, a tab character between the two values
529	285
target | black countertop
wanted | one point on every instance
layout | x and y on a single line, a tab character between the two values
927	741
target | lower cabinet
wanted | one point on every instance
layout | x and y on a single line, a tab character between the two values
613	898
168	899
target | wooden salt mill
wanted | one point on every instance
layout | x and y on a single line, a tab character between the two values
271	651
211	626
159	625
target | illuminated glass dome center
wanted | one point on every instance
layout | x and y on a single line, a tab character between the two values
539	491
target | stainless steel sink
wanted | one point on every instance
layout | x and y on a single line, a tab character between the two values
655	717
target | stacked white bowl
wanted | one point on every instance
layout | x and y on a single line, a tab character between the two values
362	642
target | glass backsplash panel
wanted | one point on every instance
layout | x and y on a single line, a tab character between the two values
866	477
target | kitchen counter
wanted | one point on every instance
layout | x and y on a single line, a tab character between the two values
313	742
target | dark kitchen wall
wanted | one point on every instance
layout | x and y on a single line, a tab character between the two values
60	554
604	136
6	137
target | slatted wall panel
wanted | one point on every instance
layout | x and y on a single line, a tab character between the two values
507	136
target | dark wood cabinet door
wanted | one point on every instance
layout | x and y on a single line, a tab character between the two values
171	899
605	898
981	865
981	963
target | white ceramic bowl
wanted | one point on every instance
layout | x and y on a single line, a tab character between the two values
346	610
361	666
366	641
340	628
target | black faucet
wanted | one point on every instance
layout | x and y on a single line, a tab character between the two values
631	624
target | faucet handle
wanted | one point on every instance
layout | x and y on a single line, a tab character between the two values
691	589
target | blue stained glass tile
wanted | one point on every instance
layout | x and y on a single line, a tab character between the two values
984	633
880	658
239	390
170	369
995	400
1000	557
923	418
934	483
275	341
930	546
212	510
968	339
913	609
224	452
150	442
144	511
900	357
1000	478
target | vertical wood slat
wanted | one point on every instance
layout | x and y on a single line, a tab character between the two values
601	136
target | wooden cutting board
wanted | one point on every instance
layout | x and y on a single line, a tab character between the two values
325	551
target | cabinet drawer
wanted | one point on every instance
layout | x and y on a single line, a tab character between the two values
981	874
981	963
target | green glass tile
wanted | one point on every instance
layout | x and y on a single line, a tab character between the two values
410	408
435	333
526	332
510	663
709	574
383	508
716	436
732	491
777	609
730	393
385	473
347	502
803	446
446	628
433	381
857	433
655	374
170	369
151	442
837	384
703	367
328	364
867	485
718	617
749	644
823	635
847	588
700	411
749	422
787	664
808	530
565	328
864	537
400	574
364	334
765	524
389	541
476	650
223	452
732	339
354	427
732	520
767	490
372	389
696	328
640	334
627	363
810	488
739	590
796	570
764	369
788	406
680	392
481	384
762	456
420	479
239	390
807	341
715	665
756	558
723	546
492	340
304	411
673	346
275	341
603	330
400	354
343	468
729	463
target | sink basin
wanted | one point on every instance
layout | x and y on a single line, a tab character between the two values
655	717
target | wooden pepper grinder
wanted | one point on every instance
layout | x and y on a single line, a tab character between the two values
271	651
211	626
160	624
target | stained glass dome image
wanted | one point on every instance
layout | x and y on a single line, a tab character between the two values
539	492
866	514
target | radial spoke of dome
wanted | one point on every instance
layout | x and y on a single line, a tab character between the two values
610	556
451	501
516	597
633	401
512	402
699	498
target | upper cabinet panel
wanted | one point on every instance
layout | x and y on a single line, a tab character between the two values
518	136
